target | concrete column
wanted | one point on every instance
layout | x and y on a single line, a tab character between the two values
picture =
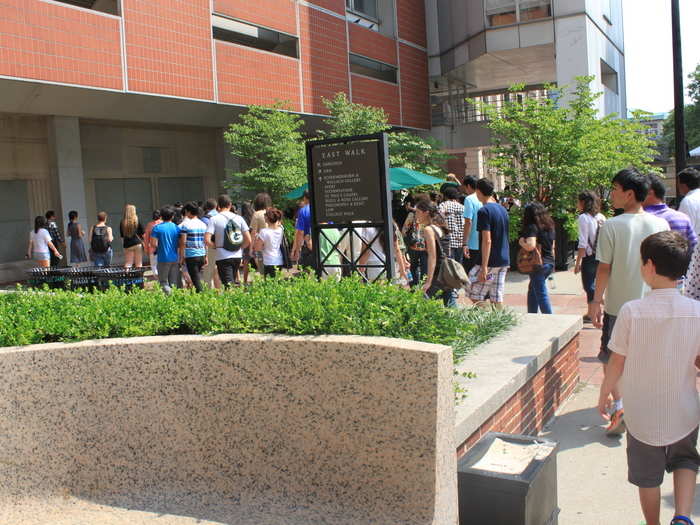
67	165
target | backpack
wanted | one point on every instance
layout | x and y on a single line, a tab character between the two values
597	233
233	236
99	243
284	248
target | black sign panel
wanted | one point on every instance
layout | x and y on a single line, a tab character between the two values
347	182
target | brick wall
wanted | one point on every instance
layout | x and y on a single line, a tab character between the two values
332	5
276	76
275	14
411	18
529	409
414	87
373	92
58	43
169	47
371	44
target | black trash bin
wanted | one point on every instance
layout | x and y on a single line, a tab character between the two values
492	495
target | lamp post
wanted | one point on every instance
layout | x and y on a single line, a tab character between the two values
678	88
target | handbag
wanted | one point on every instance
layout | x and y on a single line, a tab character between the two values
451	274
530	261
284	248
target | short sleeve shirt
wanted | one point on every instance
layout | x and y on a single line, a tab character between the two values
659	336
690	205
453	212
272	242
472	205
619	241
217	226
545	238
40	240
257	223
493	217
168	235
193	230
304	220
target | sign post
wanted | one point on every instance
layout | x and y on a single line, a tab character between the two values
350	193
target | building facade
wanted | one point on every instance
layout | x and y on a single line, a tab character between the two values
479	48
107	102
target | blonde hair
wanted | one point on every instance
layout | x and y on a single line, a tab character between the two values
130	220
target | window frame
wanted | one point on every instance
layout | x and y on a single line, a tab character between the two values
391	68
518	17
350	8
217	31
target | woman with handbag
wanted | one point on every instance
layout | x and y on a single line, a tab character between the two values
437	244
415	243
536	257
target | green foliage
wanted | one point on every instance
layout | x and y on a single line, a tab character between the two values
302	306
270	144
407	150
351	118
550	150
692	118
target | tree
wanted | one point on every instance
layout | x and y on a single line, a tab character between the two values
549	150
692	117
270	146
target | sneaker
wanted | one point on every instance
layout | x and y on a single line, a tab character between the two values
681	520
617	424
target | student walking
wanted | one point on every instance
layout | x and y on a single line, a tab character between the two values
41	246
165	240
488	277
269	242
437	246
100	239
689	186
261	203
538	234
619	277
56	237
415	243
229	234
75	232
654	350
677	221
152	257
209	273
193	252
131	232
589	222
470	235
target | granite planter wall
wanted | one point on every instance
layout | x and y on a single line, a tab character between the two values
242	429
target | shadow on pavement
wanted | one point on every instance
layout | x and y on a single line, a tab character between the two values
580	428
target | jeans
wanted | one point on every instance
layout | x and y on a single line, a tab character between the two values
474	259
194	268
589	266
102	259
270	270
458	255
537	295
419	265
169	276
448	296
228	271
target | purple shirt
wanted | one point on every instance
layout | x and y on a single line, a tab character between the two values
676	220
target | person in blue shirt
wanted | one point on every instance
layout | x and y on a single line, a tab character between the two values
193	252
302	248
165	240
488	277
470	237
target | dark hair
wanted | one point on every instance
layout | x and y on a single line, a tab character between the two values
102	216
209	205
470	181
435	216
167	213
39	223
224	201
485	186
591	202
657	185
191	207
451	192
307	195
50	214
273	215
535	213
72	215
421	197
669	252
156	215
262	201
631	180
690	177
247	212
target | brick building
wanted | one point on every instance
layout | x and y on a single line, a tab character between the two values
104	102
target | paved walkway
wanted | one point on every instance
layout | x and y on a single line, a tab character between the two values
592	468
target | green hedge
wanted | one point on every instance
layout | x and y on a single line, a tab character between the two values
302	306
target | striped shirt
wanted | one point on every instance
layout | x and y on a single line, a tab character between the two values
453	212
194	229
678	221
660	338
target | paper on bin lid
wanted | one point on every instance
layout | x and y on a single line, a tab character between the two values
505	457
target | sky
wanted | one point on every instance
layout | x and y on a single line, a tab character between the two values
648	51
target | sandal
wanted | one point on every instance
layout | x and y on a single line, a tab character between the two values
682	520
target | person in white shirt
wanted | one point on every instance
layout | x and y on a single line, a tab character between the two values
227	262
589	223
689	186
269	242
40	245
655	347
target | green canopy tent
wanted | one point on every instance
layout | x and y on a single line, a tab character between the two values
399	179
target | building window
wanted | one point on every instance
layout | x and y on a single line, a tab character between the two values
152	160
105	6
608	76
507	12
366	8
228	30
372	68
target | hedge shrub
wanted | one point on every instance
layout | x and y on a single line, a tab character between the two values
302	306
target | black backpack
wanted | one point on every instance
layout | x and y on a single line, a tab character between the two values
233	236
99	243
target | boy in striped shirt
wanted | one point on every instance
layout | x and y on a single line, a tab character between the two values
655	346
193	252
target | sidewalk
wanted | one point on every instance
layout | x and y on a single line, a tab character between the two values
592	468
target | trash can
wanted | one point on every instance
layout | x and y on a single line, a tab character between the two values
508	479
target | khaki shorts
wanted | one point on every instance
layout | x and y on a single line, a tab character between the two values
646	463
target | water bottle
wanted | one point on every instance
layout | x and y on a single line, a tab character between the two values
552	283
